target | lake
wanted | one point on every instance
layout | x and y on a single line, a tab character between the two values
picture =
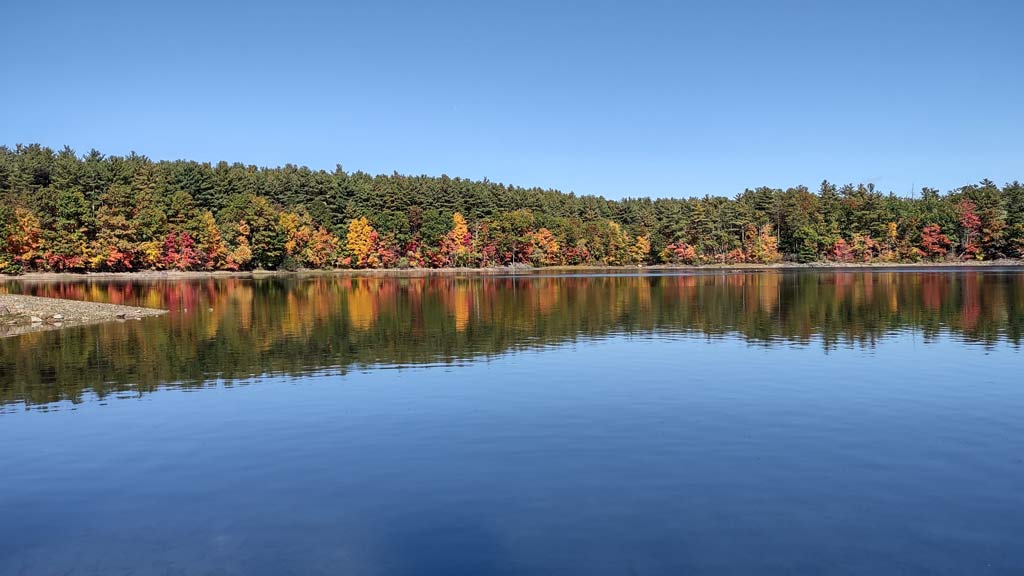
780	422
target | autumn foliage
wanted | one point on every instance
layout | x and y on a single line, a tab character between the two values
179	252
934	243
63	212
24	238
970	222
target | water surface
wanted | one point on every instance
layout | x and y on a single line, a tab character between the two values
841	422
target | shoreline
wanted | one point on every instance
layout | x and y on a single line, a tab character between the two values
503	270
22	314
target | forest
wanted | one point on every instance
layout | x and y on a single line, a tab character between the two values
65	212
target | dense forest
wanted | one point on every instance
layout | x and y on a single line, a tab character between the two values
63	212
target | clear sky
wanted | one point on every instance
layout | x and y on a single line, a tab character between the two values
613	98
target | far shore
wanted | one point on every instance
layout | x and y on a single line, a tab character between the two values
506	270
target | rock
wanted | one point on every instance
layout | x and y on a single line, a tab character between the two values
21	310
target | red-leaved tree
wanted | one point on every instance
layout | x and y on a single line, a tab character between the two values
179	252
971	224
934	243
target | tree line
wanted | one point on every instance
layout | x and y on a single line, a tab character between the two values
60	211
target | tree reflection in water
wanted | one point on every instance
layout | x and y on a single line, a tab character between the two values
233	328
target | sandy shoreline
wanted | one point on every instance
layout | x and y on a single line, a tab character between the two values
20	314
503	270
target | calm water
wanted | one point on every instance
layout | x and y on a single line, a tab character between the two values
772	423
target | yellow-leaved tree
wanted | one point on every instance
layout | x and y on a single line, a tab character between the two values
639	250
361	242
457	245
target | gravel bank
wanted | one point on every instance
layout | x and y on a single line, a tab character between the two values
21	314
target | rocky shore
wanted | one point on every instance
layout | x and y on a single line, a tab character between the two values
20	314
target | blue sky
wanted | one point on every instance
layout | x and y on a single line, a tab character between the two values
612	98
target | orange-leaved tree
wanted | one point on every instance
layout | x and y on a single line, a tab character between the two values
25	238
546	250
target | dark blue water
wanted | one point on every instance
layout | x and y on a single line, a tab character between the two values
634	452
